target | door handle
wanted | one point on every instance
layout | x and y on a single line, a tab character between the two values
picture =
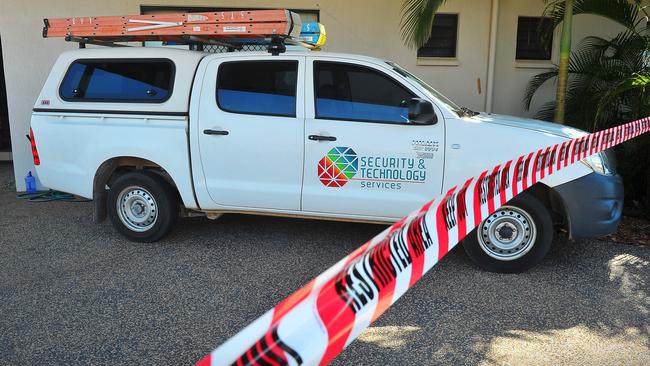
321	138
215	132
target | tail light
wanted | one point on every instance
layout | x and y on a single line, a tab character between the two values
37	160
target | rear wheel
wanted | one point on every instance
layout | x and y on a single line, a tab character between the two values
142	206
514	238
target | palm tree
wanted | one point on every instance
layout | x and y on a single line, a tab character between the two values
596	68
608	83
561	12
417	19
604	75
565	53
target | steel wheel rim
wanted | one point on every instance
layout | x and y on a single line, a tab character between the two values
508	234
137	209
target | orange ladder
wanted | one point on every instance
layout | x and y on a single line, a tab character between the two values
217	26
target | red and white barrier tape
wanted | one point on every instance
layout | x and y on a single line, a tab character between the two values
314	324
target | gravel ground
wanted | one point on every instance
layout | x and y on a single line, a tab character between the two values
76	293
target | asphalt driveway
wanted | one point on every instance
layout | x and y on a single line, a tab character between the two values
76	292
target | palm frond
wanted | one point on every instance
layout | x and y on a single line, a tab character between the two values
624	12
608	81
582	60
534	84
417	20
638	82
546	112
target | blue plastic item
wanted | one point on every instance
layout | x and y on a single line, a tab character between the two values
30	183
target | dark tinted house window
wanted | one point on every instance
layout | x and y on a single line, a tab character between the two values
143	81
531	45
258	87
444	36
357	93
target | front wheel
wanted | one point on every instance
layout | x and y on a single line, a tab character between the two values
142	206
514	238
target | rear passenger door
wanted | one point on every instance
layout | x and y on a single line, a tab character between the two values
251	120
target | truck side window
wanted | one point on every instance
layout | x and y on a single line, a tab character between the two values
258	87
356	93
132	80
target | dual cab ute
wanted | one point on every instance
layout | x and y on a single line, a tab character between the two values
151	134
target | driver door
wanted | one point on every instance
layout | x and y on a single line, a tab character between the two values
363	159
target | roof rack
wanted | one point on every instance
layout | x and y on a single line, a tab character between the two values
231	29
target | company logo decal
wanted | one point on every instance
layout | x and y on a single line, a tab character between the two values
342	164
338	167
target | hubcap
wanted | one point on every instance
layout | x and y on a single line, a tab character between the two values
508	234
137	209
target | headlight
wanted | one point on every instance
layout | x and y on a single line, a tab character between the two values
599	163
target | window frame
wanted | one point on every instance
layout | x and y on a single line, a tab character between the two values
550	41
122	60
315	95
457	33
295	104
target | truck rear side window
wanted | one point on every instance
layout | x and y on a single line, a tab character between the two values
258	87
131	81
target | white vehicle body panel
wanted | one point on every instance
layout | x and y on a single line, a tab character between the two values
267	164
69	161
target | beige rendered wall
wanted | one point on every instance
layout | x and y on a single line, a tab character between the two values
362	26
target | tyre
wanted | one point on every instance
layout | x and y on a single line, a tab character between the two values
142	206
514	238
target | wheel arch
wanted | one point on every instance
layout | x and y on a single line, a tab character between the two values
114	167
552	200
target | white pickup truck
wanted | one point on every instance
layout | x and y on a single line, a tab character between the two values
151	134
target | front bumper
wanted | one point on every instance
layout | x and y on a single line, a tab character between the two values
593	204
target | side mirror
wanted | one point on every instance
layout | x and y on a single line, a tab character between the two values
421	112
